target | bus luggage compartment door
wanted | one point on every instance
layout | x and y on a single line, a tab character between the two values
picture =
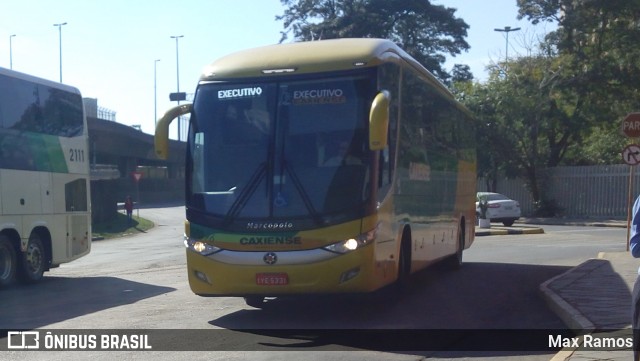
78	231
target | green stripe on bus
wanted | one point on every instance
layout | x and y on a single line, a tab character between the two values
32	151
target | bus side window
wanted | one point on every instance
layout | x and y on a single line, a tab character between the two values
386	158
384	177
389	78
199	166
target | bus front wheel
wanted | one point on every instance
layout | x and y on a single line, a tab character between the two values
34	260
8	261
455	260
404	262
255	301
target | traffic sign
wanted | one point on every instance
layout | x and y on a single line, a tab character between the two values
631	154
137	176
631	125
177	96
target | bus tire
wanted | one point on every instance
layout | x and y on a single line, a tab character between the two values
34	260
404	262
255	301
8	261
455	261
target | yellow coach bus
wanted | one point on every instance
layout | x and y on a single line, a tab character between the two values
330	166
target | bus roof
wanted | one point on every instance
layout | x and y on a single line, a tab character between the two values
36	80
304	57
315	56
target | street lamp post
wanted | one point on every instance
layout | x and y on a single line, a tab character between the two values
178	77
507	30
155	93
11	51
60	42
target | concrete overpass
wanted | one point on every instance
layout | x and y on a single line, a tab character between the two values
116	151
127	148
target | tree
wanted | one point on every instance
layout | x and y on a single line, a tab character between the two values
527	122
425	31
461	73
563	105
597	48
598	38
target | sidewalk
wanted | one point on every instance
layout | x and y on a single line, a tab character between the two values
593	296
607	306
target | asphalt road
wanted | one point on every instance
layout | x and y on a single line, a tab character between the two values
140	283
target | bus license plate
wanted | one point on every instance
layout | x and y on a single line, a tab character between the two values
272	279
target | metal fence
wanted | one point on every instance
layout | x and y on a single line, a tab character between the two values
592	192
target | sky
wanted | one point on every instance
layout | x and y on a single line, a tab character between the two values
110	47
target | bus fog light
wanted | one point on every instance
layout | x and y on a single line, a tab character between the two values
346	276
202	277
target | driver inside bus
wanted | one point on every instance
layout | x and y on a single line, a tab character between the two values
345	155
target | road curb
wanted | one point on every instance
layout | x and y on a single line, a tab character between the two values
571	316
499	231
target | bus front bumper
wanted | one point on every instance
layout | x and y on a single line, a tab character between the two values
345	273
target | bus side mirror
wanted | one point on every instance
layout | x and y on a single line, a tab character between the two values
161	140
379	121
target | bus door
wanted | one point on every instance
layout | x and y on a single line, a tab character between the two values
77	234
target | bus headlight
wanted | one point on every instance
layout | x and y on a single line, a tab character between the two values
352	244
200	247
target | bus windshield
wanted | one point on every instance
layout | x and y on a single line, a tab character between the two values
287	149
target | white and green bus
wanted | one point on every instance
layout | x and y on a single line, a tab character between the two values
45	215
332	166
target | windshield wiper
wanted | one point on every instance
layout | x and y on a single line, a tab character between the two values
303	194
246	193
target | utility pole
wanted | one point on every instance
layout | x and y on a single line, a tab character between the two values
178	79
155	93
11	51
60	42
507	30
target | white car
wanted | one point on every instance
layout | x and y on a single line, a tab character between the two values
501	208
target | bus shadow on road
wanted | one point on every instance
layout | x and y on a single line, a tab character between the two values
56	299
441	310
